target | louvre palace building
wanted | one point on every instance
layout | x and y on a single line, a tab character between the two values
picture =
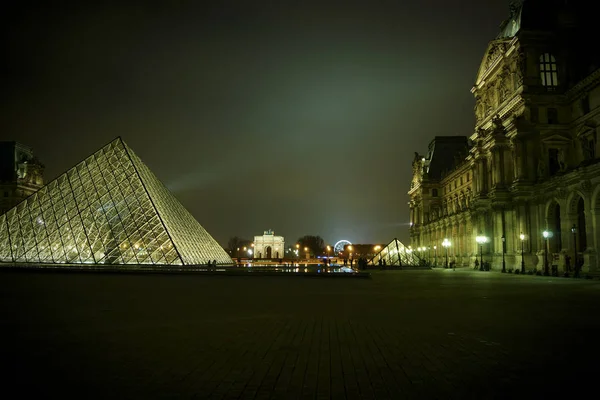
531	164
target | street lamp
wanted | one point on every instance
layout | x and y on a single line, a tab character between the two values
306	250
435	255
446	244
481	240
546	235
503	251
522	237
574	231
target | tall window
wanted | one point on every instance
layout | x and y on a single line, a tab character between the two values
552	116
548	71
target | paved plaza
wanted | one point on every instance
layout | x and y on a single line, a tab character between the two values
401	334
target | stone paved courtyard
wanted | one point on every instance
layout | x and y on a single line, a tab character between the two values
402	334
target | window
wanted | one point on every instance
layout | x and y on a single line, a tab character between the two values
434	193
534	115
461	180
548	71
552	116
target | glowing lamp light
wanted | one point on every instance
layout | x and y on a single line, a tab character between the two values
522	237
446	243
547	234
250	251
481	239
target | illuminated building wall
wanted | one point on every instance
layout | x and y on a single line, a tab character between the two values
532	162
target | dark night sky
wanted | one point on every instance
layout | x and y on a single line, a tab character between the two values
298	116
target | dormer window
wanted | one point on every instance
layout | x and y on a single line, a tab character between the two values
548	71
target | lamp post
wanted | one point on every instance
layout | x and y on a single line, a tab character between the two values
297	251
446	244
503	251
522	237
574	231
435	256
546	235
481	240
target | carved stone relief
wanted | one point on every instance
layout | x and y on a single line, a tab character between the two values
521	61
586	186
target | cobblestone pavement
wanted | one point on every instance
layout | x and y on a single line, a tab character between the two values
402	334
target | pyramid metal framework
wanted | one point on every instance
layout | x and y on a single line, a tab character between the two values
109	209
396	254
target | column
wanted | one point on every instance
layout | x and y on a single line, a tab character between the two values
474	178
507	163
594	239
496	167
480	176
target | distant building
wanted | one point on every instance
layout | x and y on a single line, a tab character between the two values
532	163
21	174
367	251
269	246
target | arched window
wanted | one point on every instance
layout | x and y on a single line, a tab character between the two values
548	71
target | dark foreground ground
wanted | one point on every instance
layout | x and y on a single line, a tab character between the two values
402	334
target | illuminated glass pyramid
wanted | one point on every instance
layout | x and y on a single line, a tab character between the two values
397	254
108	209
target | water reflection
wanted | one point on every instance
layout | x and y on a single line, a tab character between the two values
298	268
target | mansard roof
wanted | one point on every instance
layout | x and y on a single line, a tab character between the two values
445	153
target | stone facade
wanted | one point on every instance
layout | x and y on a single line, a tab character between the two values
532	163
21	174
269	246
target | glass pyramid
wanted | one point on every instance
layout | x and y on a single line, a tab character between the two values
108	209
396	254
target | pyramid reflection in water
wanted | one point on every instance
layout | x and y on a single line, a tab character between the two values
108	209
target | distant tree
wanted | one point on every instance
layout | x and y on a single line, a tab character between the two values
315	244
235	246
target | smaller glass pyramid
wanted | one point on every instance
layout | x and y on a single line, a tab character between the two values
108	209
396	254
